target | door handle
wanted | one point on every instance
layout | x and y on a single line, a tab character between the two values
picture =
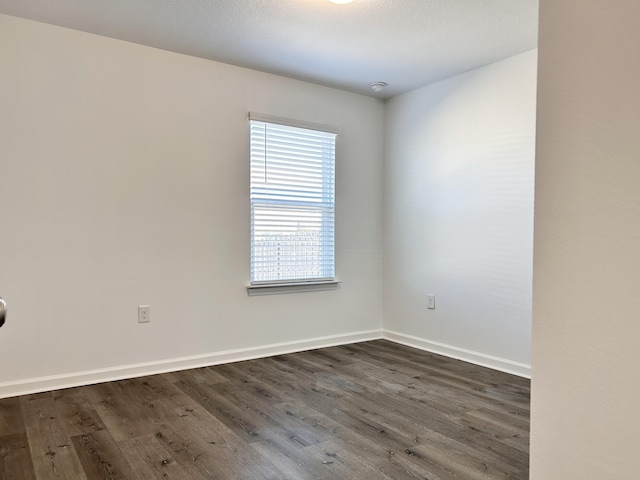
3	311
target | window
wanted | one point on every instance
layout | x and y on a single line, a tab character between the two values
292	202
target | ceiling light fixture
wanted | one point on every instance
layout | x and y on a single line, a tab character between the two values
341	2
378	86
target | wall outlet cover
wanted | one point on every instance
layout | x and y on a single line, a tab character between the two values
431	302
144	314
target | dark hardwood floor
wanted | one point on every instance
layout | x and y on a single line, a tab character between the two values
374	410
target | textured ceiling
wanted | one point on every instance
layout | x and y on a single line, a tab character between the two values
405	43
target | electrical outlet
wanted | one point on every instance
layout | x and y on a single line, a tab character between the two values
144	314
431	302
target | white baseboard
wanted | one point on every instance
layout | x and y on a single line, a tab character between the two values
89	377
56	382
496	363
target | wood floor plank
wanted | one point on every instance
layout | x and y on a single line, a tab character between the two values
15	457
205	448
434	423
11	420
133	408
351	417
101	458
374	410
483	383
198	456
204	452
150	460
249	412
52	454
346	445
239	421
76	412
15	453
118	413
199	375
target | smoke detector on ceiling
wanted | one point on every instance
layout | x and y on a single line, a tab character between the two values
378	86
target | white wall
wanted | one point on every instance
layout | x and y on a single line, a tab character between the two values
124	181
586	315
459	214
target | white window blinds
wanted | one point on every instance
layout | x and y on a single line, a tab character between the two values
292	203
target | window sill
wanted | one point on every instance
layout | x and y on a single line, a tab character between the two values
298	287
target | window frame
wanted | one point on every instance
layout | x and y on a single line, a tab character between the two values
277	286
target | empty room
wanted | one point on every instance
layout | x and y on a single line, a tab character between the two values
317	239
